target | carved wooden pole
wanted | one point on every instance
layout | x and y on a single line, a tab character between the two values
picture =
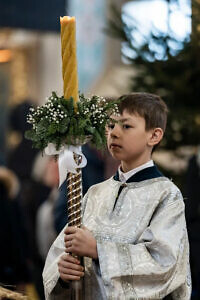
74	196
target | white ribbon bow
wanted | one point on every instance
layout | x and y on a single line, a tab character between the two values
66	162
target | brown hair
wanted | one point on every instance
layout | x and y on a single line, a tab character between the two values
149	106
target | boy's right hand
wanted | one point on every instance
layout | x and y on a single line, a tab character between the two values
69	268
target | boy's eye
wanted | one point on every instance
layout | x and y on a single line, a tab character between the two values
111	126
126	126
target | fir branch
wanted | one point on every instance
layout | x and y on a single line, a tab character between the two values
58	122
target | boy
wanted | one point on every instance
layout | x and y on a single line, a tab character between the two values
135	242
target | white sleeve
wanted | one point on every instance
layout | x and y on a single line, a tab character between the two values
52	288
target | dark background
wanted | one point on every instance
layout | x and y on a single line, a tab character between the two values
32	14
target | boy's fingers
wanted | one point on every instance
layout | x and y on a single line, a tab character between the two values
68	271
69	250
70	258
65	277
72	266
70	230
68	244
69	237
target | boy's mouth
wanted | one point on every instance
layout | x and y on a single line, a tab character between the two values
115	146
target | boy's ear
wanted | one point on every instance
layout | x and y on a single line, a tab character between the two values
155	137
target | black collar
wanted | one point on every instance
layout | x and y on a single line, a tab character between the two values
147	173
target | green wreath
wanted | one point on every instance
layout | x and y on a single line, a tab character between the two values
60	121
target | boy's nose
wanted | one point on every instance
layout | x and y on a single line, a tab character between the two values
115	133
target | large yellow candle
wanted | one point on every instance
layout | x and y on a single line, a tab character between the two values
69	59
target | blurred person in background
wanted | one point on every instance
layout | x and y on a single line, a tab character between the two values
37	194
192	211
45	231
14	250
22	159
21	156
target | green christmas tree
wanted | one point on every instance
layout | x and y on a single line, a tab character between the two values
174	73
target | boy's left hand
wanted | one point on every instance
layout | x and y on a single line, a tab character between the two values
81	242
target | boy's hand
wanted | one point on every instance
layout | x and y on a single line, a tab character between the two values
69	268
81	242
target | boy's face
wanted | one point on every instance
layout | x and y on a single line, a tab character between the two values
128	140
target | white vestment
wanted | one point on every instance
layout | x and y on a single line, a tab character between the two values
142	243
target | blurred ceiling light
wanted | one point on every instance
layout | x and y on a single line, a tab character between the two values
5	55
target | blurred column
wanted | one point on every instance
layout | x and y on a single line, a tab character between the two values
91	42
110	83
195	18
49	65
5	58
113	45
